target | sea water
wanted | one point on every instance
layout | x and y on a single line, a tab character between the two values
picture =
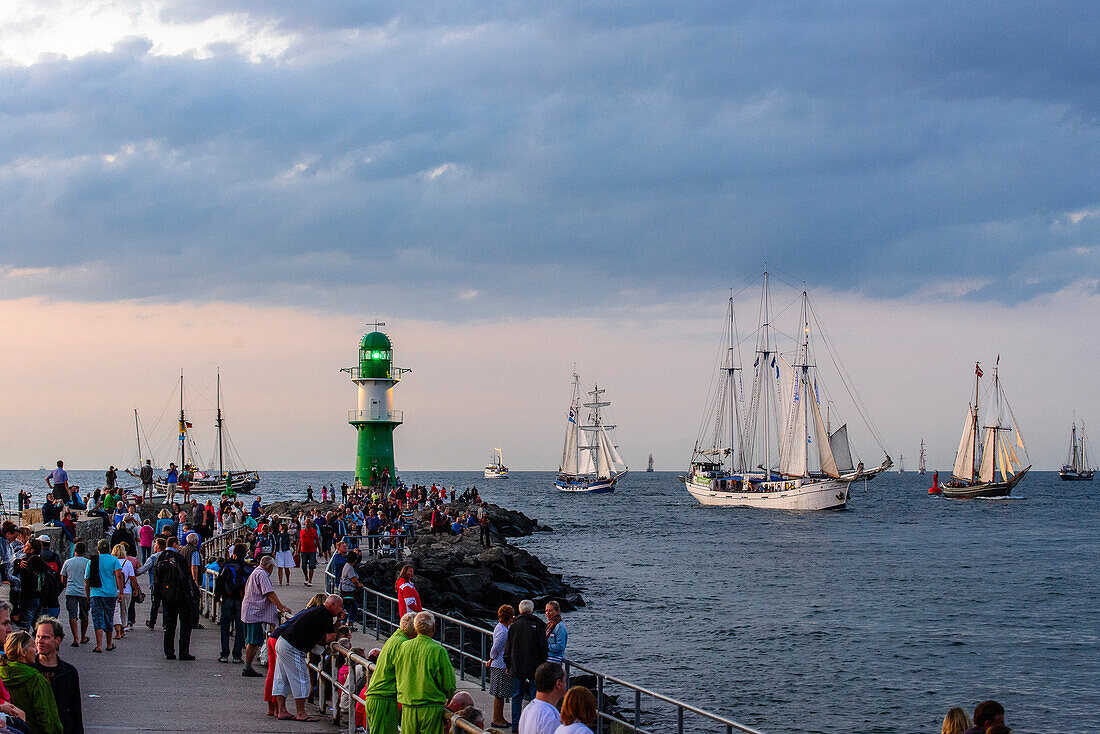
878	618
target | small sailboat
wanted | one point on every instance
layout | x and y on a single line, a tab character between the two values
1077	466
901	463
990	450
649	466
495	469
590	460
920	463
771	447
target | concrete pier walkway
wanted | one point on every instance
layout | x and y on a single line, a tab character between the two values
134	688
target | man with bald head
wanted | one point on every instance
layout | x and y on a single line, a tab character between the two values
425	679
310	628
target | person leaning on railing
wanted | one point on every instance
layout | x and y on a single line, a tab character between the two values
380	694
425	679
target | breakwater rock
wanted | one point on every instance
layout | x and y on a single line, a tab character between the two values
454	574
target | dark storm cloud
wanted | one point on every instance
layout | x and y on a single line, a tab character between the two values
525	151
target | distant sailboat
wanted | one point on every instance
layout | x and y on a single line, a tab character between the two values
920	463
771	447
649	466
901	463
495	469
985	451
1077	466
590	460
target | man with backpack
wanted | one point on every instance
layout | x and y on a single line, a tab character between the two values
229	590
178	595
38	587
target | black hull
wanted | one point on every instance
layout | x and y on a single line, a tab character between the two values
1075	476
974	491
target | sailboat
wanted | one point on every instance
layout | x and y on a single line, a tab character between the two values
986	451
901	463
775	450
218	476
920	462
495	469
590	460
1077	466
649	466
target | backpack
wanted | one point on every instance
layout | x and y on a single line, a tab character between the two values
231	581
94	579
51	584
172	586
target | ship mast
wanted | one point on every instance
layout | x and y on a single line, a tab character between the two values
183	428
974	453
737	463
137	430
221	444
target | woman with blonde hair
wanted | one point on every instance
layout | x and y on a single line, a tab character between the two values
956	722
500	683
28	688
129	581
578	711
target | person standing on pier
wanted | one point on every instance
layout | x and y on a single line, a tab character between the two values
408	600
172	484
260	605
63	678
425	679
229	590
500	683
308	541
103	585
76	603
524	652
311	628
541	715
556	635
147	480
380	694
58	482
177	592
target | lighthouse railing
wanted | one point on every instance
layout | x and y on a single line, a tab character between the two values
381	416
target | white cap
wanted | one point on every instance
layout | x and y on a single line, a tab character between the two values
44	538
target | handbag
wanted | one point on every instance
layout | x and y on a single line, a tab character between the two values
139	595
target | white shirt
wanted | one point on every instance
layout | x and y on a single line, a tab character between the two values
539	717
575	728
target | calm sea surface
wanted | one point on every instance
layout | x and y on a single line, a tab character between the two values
875	619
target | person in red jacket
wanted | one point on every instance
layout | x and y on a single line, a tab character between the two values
407	598
307	548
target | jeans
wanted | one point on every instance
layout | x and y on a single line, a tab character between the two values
146	551
154	607
521	687
231	619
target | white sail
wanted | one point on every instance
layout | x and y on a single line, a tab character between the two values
792	449
824	450
569	456
609	454
964	459
586	449
842	453
985	473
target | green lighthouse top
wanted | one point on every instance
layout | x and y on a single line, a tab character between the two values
375	355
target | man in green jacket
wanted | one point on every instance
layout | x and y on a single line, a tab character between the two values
380	695
425	679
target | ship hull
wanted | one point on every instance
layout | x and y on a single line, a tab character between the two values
986	489
584	485
1075	476
828	494
495	474
245	483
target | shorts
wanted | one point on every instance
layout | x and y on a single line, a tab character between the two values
291	672
254	633
309	561
103	612
77	606
284	559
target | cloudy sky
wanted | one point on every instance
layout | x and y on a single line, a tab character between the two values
516	188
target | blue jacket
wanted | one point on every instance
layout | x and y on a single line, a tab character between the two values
556	642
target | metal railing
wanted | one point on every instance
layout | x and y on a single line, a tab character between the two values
382	416
344	698
469	646
218	546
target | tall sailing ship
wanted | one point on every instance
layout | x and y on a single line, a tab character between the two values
216	477
649	466
920	462
769	447
986	452
496	469
1077	466
901	463
590	460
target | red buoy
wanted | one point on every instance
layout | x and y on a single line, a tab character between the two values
935	488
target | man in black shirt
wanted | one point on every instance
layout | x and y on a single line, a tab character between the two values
63	678
524	651
229	590
310	628
177	592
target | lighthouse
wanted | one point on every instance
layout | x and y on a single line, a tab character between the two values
375	418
